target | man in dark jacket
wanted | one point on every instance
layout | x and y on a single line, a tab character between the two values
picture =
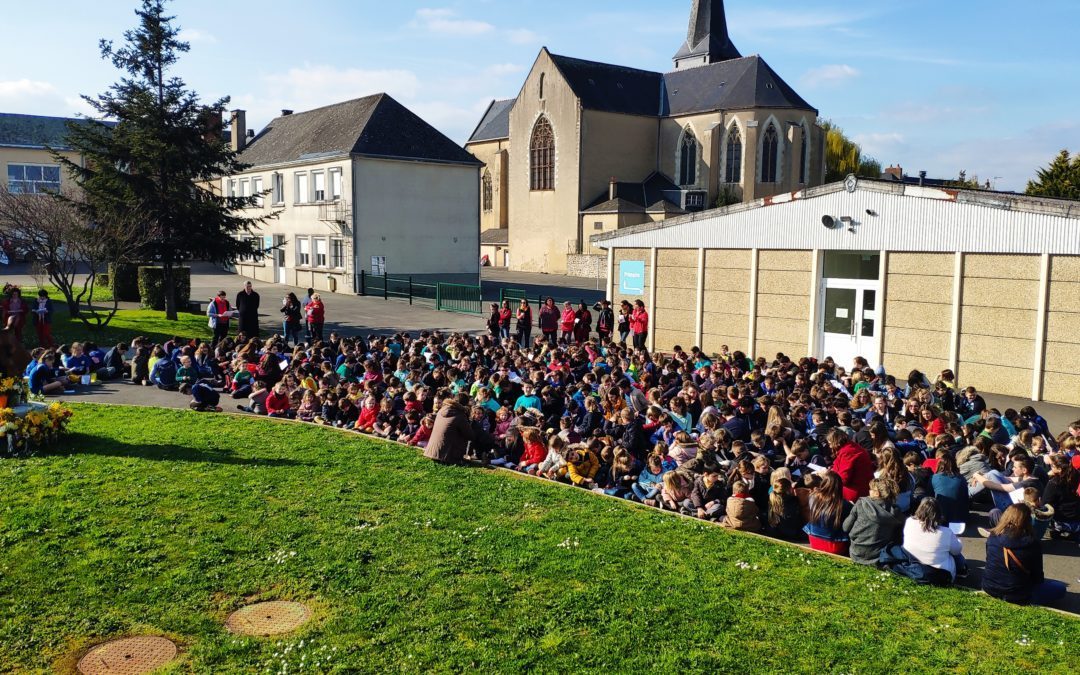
247	307
605	320
452	432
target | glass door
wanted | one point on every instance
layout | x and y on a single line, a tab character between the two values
849	324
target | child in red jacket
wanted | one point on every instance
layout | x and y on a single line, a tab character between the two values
534	453
369	413
277	402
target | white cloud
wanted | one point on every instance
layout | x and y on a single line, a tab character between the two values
194	35
447	22
35	97
879	144
522	36
829	75
503	69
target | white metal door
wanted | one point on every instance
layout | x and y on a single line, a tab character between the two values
279	258
849	322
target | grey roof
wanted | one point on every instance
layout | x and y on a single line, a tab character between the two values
37	131
495	236
373	126
495	124
708	34
617	205
737	84
610	88
637	197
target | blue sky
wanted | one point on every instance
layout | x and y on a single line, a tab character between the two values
990	86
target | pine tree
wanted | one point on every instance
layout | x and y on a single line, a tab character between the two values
1060	179
158	165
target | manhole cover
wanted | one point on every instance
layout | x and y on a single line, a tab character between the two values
128	656
268	618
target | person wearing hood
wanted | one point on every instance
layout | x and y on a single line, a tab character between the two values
874	523
853	464
451	433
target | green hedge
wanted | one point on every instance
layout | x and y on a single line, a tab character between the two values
124	281
151	287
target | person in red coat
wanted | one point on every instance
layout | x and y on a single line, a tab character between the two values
853	464
639	324
316	315
569	318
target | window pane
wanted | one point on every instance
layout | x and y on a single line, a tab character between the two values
839	310
845	265
51	174
15	172
33	172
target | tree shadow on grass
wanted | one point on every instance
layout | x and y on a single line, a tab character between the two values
83	444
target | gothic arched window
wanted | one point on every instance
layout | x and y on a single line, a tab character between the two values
542	156
770	154
688	159
804	155
487	191
733	157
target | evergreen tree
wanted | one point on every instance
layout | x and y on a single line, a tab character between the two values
1060	179
158	166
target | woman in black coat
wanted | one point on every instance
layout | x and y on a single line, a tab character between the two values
1014	564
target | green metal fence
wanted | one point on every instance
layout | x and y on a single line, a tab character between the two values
459	298
511	294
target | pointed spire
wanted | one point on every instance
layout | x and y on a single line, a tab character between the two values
707	39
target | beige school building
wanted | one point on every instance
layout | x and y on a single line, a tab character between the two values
984	283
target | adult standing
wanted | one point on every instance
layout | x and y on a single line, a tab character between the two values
568	321
291	318
219	313
605	320
524	322
1014	564
452	431
639	324
316	316
247	307
624	321
584	324
43	312
549	321
504	320
303	310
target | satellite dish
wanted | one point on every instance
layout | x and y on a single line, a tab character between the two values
829	222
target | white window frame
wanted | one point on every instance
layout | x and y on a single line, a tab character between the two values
303	194
320	258
245	188
277	186
303	252
335	184
256	189
318	194
33	186
337	244
230	187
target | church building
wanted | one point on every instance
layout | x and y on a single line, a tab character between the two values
588	148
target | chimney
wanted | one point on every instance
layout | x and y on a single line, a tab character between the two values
612	188
896	172
238	130
285	112
922	178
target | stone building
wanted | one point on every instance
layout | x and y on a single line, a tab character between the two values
359	185
588	147
910	277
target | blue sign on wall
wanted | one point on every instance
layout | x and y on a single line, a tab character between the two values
632	277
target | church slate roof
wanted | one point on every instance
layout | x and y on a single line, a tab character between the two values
647	195
37	131
708	35
609	88
617	205
736	84
373	126
495	124
495	236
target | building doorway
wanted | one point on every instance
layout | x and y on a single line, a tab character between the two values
851	304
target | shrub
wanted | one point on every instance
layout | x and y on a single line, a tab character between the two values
124	281
151	287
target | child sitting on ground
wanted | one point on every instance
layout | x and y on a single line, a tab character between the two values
554	465
875	522
785	519
741	513
365	422
650	480
581	466
535	452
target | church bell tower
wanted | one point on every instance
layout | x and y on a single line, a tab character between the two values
707	40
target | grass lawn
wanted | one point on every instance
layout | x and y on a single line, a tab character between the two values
100	294
157	521
127	324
